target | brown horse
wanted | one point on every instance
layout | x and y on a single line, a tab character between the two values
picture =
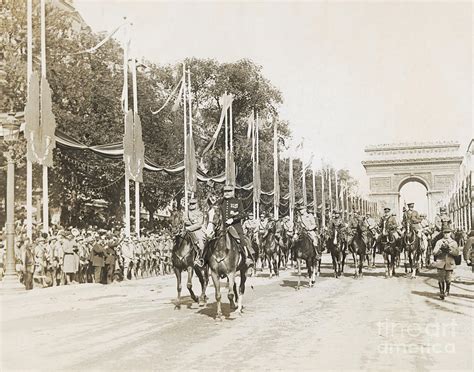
225	260
303	249
412	249
358	249
182	258
391	252
337	247
271	251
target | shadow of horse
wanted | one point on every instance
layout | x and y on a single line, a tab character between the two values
210	311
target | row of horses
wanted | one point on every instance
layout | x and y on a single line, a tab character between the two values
224	258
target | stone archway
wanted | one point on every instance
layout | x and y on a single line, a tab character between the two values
390	166
413	179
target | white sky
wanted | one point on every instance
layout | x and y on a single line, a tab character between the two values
351	74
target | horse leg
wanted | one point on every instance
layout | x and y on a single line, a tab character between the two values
203	280
319	267
276	264
177	272
217	288
356	264
270	265
386	264
243	279
298	264
230	293
311	271
190	284
334	265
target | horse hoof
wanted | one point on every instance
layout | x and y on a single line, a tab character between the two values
177	307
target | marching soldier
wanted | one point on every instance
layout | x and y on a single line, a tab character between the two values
445	251
442	221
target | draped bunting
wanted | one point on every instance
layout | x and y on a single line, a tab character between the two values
225	101
133	149
102	42
40	123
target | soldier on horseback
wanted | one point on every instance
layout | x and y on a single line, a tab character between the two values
193	224
388	226
232	213
307	223
411	220
336	224
355	223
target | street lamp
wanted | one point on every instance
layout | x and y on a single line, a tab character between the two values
11	130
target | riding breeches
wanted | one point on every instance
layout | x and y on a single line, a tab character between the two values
314	237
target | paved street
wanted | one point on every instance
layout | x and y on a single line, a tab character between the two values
375	324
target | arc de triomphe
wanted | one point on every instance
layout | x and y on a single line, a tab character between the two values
390	166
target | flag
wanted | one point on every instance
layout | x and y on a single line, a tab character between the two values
32	115
191	165
133	148
230	171
256	183
45	139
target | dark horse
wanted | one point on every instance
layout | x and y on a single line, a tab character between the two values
412	245
303	249
391	253
336	246
284	244
182	258
225	259
358	249
271	250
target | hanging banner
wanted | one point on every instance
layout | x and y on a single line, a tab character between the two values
133	149
225	101
40	124
191	165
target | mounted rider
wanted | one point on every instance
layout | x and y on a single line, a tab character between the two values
264	225
232	212
336	224
193	224
355	223
412	219
388	226
307	222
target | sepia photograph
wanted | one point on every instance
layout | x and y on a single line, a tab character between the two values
236	185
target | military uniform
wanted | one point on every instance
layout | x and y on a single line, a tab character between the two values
193	223
307	222
445	252
231	211
412	218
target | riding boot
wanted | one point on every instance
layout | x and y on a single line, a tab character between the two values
441	290
448	285
249	261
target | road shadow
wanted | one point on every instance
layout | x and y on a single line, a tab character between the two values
435	302
294	283
210	310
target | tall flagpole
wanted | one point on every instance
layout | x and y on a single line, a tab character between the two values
315	202
43	75
257	162
185	146
336	190
303	174
125	108
323	197
226	143
275	170
253	163
29	167
190	113
330	188
291	188
135	113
